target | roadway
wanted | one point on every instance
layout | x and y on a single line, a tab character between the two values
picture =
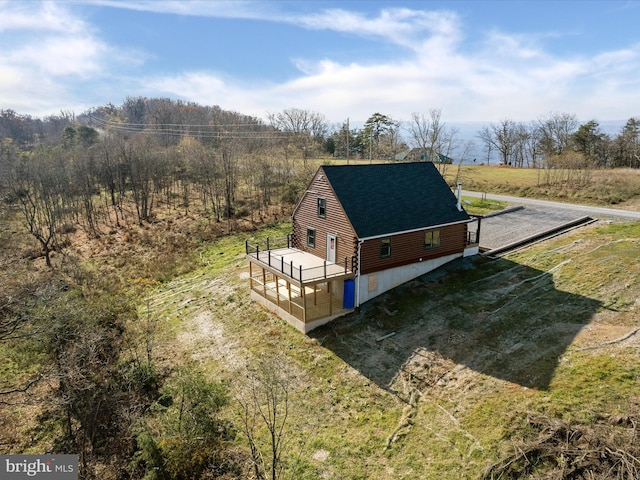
546	204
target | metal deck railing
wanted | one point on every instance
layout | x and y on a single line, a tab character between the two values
266	252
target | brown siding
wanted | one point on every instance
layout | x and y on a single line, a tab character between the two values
335	222
409	248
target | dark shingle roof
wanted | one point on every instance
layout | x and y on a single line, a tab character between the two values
388	198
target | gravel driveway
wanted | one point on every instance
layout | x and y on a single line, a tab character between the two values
537	216
499	230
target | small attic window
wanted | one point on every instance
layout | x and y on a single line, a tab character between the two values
322	207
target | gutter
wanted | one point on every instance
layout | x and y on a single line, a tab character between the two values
360	242
429	227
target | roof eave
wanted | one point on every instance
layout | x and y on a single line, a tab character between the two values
430	227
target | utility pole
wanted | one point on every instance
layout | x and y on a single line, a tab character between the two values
347	140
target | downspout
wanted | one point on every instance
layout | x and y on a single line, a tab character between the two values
358	275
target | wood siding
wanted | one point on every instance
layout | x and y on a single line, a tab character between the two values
335	222
409	248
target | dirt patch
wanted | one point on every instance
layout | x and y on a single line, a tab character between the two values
206	340
320	456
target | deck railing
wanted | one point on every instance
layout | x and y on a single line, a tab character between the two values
269	244
473	237
262	252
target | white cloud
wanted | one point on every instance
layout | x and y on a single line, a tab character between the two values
413	29
236	9
50	58
502	76
61	55
49	17
402	26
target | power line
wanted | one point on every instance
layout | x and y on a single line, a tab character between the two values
110	122
188	130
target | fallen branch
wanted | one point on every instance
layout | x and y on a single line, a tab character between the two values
610	342
24	389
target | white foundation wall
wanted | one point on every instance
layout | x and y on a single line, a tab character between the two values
374	284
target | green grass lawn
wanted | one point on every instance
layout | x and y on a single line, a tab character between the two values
356	415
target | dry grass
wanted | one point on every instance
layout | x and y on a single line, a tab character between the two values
478	349
606	187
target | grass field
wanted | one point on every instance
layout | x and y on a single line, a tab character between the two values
477	349
606	186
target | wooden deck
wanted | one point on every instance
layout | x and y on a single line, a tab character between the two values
313	294
298	265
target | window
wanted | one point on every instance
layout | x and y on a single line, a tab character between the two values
431	239
385	247
311	237
322	207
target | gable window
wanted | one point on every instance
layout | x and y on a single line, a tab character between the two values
311	237
385	247
431	239
322	207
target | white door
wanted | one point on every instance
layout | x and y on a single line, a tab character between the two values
332	241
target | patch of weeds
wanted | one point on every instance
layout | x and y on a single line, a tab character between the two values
478	206
19	360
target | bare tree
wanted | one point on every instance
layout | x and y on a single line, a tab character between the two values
9	154
437	142
265	404
307	129
428	134
41	186
138	157
554	132
229	150
505	137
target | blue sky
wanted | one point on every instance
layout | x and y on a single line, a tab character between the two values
476	61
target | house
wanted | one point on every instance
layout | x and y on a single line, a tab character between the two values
359	231
422	155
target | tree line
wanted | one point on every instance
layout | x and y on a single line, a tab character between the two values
113	165
558	138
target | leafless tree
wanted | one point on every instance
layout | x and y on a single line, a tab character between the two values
306	129
428	134
554	132
9	154
113	176
505	137
228	150
437	142
265	403
40	184
138	157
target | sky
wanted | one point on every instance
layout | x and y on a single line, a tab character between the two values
475	61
